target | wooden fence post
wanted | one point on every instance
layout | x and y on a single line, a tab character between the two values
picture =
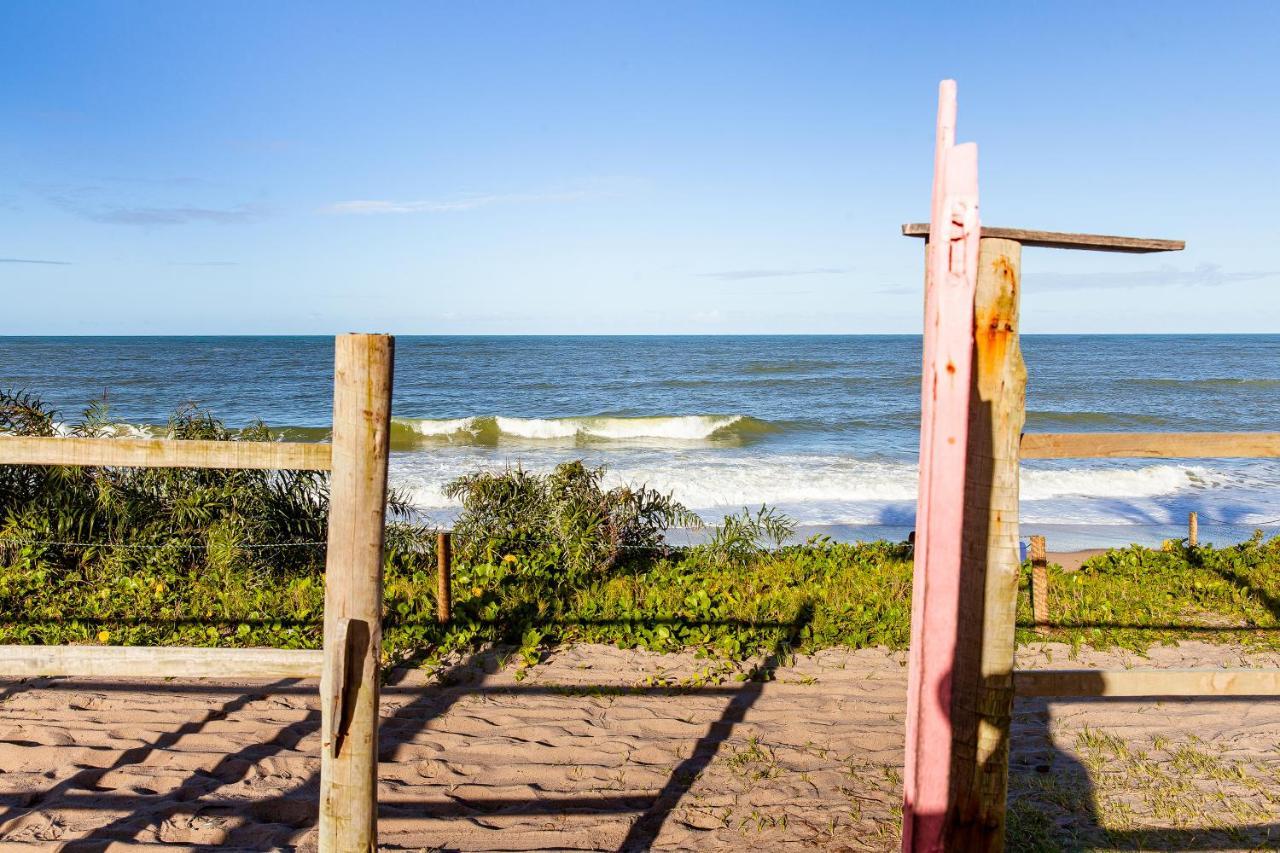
1039	585
444	577
353	593
946	387
982	681
1193	530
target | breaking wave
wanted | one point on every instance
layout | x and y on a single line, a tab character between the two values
676	429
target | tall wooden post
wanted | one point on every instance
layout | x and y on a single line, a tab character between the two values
982	685
353	593
1193	530
950	282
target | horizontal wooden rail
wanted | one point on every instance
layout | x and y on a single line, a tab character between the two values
157	662
164	453
1061	240
1167	445
1147	682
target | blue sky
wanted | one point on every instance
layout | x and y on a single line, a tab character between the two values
621	168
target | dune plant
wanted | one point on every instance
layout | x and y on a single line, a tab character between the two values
566	516
747	536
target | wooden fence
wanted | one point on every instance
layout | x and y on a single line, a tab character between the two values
962	682
348	665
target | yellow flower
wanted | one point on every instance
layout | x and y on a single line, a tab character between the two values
510	558
103	636
477	591
159	588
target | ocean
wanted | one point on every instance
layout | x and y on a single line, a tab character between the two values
822	427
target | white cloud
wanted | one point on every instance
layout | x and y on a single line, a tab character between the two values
368	207
742	275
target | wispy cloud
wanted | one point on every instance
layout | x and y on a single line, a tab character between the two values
449	205
34	261
204	263
146	202
1205	275
171	215
743	275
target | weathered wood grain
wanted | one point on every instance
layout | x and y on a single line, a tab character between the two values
1147	682
952	271
982	682
1063	240
163	453
353	593
1134	445
156	662
1039	585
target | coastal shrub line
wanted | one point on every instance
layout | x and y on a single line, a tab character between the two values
236	558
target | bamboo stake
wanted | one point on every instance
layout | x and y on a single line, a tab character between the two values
1193	530
353	593
982	685
1039	585
444	577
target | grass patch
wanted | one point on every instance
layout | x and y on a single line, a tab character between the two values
1136	597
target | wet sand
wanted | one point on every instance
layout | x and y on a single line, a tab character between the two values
601	749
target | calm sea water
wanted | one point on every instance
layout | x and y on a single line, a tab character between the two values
823	427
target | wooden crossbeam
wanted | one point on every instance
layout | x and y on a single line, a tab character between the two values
164	453
1147	682
1164	445
157	662
1063	240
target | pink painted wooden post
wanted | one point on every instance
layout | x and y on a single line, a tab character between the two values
950	282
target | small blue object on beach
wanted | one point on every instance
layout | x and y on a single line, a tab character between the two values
1022	551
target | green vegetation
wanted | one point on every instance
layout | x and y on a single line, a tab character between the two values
1135	597
235	558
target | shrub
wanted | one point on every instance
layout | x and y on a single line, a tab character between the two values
565	517
745	537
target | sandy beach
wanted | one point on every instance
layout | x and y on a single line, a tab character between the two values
606	749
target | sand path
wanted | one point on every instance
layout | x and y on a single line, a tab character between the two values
593	752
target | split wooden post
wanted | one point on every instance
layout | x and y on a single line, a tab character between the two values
982	686
444	577
950	281
353	593
1039	585
1193	530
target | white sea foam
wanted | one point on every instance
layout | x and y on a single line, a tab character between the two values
838	489
676	428
433	426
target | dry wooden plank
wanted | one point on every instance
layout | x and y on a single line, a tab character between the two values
1147	682
353	593
982	686
163	453
1063	240
1167	445
156	662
